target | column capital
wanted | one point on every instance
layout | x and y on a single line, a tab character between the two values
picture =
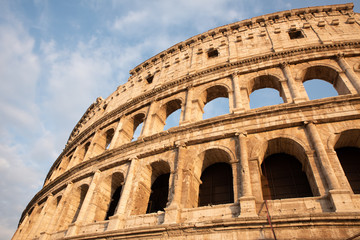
241	134
179	144
284	64
133	158
339	56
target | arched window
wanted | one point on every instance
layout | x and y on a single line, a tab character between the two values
350	162
167	116
283	178
347	149
217	185
265	97
215	100
137	126
117	180
82	193
108	137
265	90
317	89
159	194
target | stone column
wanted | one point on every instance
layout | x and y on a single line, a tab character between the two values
115	139
186	117
322	156
173	211
91	152
245	98
284	92
117	221
149	120
247	200
74	227
349	72
340	199
292	83
238	108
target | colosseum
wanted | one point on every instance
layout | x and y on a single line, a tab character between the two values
286	171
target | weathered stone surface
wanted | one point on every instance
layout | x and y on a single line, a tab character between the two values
280	51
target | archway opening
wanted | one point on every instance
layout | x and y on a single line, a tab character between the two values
317	89
159	194
349	159
83	190
265	97
109	136
216	102
282	177
137	126
217	185
170	114
117	180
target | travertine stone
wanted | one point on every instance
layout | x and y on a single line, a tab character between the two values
279	51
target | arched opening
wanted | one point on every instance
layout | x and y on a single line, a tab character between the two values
215	101
108	137
173	120
152	189
136	126
349	159
82	190
347	149
265	90
168	116
159	194
117	181
317	88
217	185
265	97
283	178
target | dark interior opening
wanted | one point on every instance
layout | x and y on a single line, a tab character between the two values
213	53
159	194
217	185
283	178
296	34
114	202
349	159
150	78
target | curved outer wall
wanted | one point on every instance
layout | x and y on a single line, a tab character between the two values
280	51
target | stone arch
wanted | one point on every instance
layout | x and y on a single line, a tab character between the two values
130	125
266	81
347	147
159	120
325	72
148	175
73	206
208	162
209	93
284	167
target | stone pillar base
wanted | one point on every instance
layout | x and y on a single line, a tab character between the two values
44	236
341	201
238	110
116	222
247	207
172	215
72	229
299	100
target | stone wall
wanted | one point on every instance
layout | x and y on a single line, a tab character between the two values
279	51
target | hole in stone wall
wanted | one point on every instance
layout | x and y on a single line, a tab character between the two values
317	89
296	34
217	185
213	53
216	107
173	119
114	202
150	79
159	194
348	157
283	178
265	97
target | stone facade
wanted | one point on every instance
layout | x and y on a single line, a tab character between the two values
280	51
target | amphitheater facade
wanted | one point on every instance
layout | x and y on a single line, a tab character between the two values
289	171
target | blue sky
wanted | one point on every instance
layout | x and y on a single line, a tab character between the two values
57	57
